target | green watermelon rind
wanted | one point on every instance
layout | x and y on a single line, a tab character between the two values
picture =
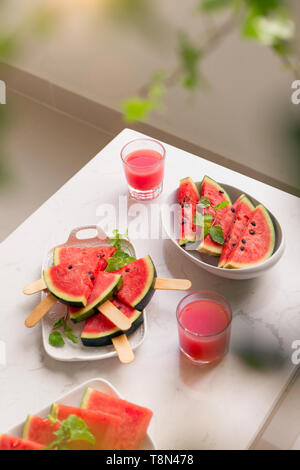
232	265
26	427
74	301
34	445
85	397
108	294
243	198
105	337
56	251
212	249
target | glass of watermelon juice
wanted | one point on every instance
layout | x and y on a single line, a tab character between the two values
144	162
204	324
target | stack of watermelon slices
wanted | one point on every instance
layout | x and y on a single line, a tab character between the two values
249	235
116	424
78	279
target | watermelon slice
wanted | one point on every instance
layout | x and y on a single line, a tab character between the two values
216	194
105	286
82	255
16	443
103	426
71	284
188	196
99	331
256	243
134	419
40	430
243	211
138	278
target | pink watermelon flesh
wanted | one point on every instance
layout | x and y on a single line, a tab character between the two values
134	419
40	430
71	284
243	210
138	278
105	285
98	330
16	443
84	255
256	243
216	194
103	426
188	196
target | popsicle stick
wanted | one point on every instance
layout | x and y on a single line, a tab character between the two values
34	287
159	284
40	310
123	348
172	284
115	315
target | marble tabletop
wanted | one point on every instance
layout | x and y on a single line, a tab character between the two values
221	407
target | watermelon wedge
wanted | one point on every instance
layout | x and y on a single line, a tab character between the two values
105	286
256	243
243	211
134	419
188	196
82	255
103	426
71	284
40	430
16	443
138	278
99	331
216	194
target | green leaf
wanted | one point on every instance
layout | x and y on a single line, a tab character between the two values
198	219
268	30
217	234
58	323
189	56
119	259
71	429
56	339
208	218
222	205
70	335
204	202
211	6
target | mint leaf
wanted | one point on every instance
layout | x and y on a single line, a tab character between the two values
56	339
222	205
208	218
58	323
119	259
217	234
69	334
71	429
198	219
204	202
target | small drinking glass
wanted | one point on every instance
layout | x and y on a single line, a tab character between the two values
144	161
204	325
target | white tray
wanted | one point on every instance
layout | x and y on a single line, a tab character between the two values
73	398
71	352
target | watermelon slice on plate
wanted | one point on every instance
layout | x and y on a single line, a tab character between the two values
88	255
134	419
243	211
40	430
103	426
188	196
216	194
138	278
71	284
256	243
99	331
16	443
105	286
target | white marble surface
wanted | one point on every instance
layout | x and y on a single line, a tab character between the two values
221	407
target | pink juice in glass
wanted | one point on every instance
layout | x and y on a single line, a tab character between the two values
204	320
143	161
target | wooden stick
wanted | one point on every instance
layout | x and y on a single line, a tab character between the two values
34	287
40	310
159	284
123	348
172	284
115	315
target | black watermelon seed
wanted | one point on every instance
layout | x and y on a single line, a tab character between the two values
242	248
70	267
252	232
183	222
119	307
233	244
127	270
232	210
244	241
253	223
92	278
100	256
222	192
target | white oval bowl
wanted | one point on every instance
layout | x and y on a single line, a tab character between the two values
209	263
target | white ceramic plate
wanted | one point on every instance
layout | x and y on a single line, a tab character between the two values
209	263
71	352
73	398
